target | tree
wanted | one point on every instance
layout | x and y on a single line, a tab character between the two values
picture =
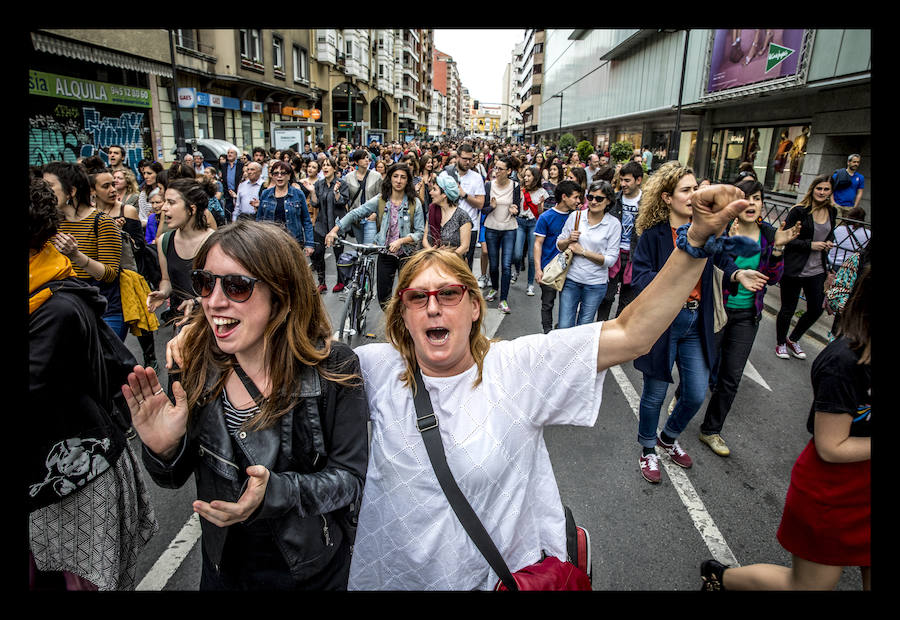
566	142
584	149
621	151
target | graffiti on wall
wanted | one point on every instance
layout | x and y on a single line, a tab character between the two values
63	132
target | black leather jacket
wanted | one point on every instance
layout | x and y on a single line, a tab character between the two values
316	454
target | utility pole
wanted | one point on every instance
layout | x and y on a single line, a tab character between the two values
178	123
676	134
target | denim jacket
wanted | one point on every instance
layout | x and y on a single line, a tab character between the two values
414	228
296	213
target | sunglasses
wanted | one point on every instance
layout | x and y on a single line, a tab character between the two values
279	173
416	298
593	198
236	287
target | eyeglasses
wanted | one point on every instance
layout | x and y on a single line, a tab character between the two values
593	198
279	173
416	298
236	287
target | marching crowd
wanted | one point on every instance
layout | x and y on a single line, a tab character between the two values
269	414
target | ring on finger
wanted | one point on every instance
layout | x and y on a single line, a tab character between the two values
159	392
140	402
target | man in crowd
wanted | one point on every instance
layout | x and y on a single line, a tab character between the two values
116	156
232	173
199	164
848	185
260	157
247	199
592	167
626	209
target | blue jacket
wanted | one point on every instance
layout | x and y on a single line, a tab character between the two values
296	214
413	227
653	249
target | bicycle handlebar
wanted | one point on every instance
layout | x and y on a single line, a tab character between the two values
364	246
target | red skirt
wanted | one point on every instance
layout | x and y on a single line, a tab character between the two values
828	511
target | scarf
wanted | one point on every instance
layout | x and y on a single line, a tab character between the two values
45	266
434	224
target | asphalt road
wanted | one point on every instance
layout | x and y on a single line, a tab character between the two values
643	536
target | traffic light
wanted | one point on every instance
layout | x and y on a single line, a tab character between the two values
475	104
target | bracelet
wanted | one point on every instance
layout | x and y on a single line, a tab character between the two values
741	246
778	248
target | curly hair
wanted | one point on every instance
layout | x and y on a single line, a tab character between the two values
653	208
43	215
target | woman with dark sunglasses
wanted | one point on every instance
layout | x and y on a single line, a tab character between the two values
595	246
184	213
268	415
286	205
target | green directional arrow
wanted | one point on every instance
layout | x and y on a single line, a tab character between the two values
777	55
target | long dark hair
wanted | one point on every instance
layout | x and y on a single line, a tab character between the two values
193	194
855	319
409	190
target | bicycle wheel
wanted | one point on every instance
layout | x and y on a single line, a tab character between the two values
365	297
345	331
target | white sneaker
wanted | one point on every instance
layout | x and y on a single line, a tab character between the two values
530	291
491	295
482	281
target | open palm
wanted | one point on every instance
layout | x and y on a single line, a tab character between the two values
159	423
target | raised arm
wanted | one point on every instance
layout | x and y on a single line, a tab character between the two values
645	319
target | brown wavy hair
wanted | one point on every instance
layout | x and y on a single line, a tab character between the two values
298	333
653	208
397	334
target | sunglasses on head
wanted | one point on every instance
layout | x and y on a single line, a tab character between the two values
236	287
449	295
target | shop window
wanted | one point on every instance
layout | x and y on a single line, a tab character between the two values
187	122
202	123
687	145
776	154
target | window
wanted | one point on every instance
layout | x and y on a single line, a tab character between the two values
301	64
381	71
246	130
348	48
187	122
250	45
202	123
278	53
185	38
776	154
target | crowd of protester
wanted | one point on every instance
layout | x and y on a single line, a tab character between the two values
270	414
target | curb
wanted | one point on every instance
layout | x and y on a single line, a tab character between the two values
820	329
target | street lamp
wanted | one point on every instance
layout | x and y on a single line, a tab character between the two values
560	95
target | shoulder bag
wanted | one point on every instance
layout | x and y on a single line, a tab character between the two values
555	273
550	573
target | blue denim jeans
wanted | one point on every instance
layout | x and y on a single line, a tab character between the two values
117	324
500	253
578	303
525	245
686	349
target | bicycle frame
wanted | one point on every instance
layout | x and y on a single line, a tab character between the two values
360	291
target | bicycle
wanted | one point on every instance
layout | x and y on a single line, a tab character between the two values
360	290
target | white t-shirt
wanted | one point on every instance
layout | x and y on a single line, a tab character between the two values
472	184
409	538
629	216
603	237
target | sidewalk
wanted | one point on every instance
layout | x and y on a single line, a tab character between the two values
819	330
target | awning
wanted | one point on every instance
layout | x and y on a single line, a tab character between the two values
87	53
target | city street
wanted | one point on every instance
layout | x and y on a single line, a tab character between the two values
643	536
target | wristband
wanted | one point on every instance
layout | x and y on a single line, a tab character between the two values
741	246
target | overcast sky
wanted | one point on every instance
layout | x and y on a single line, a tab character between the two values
481	57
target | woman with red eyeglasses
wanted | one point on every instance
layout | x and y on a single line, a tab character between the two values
267	415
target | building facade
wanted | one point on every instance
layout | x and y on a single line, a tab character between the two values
795	104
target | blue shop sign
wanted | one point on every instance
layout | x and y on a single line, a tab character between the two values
218	101
252	106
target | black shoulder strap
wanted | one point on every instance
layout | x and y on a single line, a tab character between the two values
248	384
427	423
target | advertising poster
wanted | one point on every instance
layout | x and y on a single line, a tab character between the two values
749	56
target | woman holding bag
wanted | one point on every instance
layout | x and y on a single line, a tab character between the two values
595	246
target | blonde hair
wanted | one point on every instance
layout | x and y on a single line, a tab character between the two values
397	333
653	208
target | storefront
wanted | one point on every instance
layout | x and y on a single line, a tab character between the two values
70	118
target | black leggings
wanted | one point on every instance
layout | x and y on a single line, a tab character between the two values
386	268
813	288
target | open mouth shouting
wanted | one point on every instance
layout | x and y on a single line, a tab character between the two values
224	326
437	335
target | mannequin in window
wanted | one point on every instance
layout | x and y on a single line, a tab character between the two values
795	155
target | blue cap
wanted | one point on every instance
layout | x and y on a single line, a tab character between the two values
446	183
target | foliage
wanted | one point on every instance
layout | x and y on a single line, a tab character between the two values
584	149
621	151
566	142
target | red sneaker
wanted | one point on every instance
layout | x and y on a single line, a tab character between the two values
676	452
322	289
795	350
650	468
338	287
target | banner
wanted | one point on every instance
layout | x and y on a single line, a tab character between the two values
88	91
749	56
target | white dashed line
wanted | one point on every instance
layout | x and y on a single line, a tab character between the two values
158	576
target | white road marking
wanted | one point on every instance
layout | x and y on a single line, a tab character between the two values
752	373
158	576
703	521
492	319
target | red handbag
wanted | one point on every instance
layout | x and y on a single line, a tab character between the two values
550	573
